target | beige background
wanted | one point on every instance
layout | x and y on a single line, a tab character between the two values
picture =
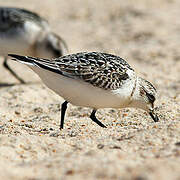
147	35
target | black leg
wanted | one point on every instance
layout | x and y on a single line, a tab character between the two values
93	117
12	72
63	111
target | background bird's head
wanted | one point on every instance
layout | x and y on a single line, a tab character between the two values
52	46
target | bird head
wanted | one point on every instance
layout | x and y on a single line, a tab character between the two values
51	46
144	97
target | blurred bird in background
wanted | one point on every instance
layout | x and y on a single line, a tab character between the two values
26	33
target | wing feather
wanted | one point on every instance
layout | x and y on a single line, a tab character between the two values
99	69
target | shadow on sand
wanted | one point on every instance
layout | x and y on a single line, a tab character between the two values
6	84
19	84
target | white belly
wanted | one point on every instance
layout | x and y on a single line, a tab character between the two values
20	41
84	94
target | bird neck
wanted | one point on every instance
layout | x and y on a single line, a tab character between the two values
134	97
134	88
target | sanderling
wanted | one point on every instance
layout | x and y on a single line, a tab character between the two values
26	33
95	80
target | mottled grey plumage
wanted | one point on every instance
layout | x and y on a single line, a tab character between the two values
99	69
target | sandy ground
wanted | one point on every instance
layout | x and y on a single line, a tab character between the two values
147	34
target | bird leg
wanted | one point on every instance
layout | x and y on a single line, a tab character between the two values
154	116
63	111
12	72
93	117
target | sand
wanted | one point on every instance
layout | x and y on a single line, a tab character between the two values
147	35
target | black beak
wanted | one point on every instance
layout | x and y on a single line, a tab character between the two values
154	116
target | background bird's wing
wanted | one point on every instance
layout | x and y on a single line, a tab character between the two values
17	16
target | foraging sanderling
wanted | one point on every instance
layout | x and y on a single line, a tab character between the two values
26	33
95	80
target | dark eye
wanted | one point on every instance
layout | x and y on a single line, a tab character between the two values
150	97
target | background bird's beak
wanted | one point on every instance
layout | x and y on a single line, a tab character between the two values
154	116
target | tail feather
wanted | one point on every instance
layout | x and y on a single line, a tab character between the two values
23	59
40	63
